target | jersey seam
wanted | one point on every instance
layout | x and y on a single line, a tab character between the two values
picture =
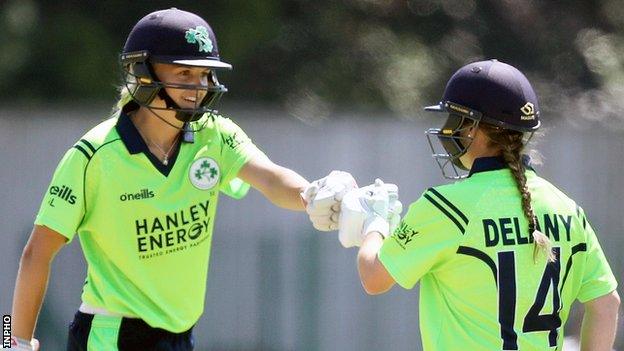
447	213
467	220
83	151
449	204
84	177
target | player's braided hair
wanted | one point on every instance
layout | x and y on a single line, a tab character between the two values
511	145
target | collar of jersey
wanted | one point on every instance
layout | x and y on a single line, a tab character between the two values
485	164
130	135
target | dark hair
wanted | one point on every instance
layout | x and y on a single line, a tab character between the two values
511	143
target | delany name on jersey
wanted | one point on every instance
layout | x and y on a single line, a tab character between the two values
507	230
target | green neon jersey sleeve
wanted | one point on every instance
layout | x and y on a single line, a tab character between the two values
63	205
237	149
236	188
424	238
598	279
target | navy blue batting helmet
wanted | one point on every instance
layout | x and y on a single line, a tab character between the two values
493	92
489	92
178	37
175	36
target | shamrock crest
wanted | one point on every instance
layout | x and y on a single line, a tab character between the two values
200	36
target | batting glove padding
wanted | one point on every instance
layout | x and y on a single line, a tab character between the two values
374	208
323	197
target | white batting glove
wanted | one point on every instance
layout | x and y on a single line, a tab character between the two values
20	344
394	210
323	196
374	208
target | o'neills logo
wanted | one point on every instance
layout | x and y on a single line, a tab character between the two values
143	194
64	192
173	232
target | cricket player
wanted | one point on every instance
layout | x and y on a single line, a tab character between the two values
140	191
501	255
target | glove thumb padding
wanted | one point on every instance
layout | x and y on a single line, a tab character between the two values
380	198
367	209
323	196
394	215
309	193
352	217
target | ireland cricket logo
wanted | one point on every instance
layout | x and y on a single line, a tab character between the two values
204	173
200	36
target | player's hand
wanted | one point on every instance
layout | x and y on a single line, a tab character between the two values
374	208
20	344
323	196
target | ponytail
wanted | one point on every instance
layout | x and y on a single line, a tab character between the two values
511	144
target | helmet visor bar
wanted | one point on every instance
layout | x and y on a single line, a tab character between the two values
457	109
196	98
451	142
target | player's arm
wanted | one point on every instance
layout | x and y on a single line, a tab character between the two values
374	276
282	186
368	215
32	279
600	322
598	295
278	184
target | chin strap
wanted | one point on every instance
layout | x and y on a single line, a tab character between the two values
168	100
172	105
169	103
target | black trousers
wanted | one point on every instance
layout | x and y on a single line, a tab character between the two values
88	332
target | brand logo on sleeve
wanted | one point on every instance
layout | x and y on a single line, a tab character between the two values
233	141
404	234
64	192
204	173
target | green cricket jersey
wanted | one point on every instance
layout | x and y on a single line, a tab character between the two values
146	228
468	244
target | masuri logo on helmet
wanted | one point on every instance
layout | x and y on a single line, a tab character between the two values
529	111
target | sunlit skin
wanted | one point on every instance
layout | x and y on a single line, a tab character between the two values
479	147
153	128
